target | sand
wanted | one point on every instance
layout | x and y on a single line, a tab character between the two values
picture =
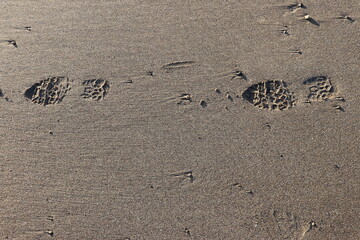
143	119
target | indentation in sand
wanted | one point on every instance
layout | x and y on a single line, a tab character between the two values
95	89
272	95
321	88
49	91
277	224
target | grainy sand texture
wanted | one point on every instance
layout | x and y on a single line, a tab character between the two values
191	119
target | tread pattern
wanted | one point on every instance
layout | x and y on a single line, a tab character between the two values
48	91
271	95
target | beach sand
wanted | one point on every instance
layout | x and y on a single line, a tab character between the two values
144	119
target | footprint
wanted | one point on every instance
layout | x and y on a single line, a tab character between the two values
321	89
277	225
49	91
272	95
95	89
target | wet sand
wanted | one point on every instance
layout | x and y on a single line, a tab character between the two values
179	119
